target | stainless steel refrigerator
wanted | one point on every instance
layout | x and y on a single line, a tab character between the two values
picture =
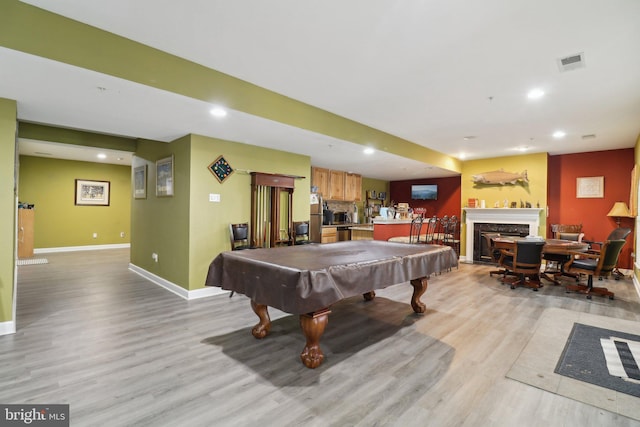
315	218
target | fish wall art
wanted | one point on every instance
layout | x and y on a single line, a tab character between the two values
500	177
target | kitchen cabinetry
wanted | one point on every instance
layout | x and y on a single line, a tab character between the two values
353	187
336	183
320	178
361	233
329	235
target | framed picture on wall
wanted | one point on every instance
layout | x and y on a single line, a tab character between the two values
590	187
164	177
140	182
92	193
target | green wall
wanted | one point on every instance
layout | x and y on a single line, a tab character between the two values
8	116
534	192
161	224
186	230
49	184
38	32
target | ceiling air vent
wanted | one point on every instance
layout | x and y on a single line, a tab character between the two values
571	62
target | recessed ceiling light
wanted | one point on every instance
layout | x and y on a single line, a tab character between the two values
559	134
522	149
218	112
468	138
535	94
369	150
101	156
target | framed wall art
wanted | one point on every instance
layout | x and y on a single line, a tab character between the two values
164	177
220	168
590	187
140	182
92	193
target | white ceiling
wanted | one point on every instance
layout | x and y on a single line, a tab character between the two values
426	71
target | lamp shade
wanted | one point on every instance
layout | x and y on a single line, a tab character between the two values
619	209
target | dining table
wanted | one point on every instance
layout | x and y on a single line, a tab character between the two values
556	250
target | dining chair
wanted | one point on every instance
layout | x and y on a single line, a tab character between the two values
617	234
567	232
493	252
432	225
451	235
600	264
301	233
524	261
239	237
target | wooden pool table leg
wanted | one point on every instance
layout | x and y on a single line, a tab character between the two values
369	296
419	288
262	328
313	325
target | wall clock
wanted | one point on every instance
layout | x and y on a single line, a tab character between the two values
221	169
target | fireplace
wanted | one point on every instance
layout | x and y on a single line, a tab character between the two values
515	221
481	252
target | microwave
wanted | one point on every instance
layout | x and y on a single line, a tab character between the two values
340	217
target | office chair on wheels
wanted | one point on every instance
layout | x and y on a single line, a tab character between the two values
601	263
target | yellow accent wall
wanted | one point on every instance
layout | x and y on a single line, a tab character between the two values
186	230
534	192
8	116
49	184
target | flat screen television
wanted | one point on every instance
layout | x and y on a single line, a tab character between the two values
424	192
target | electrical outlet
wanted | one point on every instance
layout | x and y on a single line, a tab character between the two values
95	235
214	197
122	234
154	256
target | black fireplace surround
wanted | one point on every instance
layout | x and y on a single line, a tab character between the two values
481	251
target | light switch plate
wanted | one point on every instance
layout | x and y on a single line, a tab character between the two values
214	197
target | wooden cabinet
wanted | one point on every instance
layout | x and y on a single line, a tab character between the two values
361	234
352	187
336	183
25	232
329	235
320	178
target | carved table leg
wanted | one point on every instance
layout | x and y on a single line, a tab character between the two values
369	296
419	288
313	325
262	328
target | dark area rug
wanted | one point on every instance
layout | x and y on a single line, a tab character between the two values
603	357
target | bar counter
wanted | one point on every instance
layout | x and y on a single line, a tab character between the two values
384	229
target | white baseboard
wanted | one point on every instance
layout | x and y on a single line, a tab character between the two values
7	328
82	248
178	290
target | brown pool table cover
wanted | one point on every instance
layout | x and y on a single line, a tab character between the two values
303	279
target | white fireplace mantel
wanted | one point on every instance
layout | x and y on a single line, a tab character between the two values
529	216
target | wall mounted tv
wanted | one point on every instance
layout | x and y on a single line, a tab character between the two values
424	192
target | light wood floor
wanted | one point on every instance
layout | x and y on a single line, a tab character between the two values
123	351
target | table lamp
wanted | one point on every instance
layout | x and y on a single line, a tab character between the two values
619	210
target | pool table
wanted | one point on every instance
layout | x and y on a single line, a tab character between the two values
308	279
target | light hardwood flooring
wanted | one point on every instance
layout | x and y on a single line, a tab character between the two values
125	352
